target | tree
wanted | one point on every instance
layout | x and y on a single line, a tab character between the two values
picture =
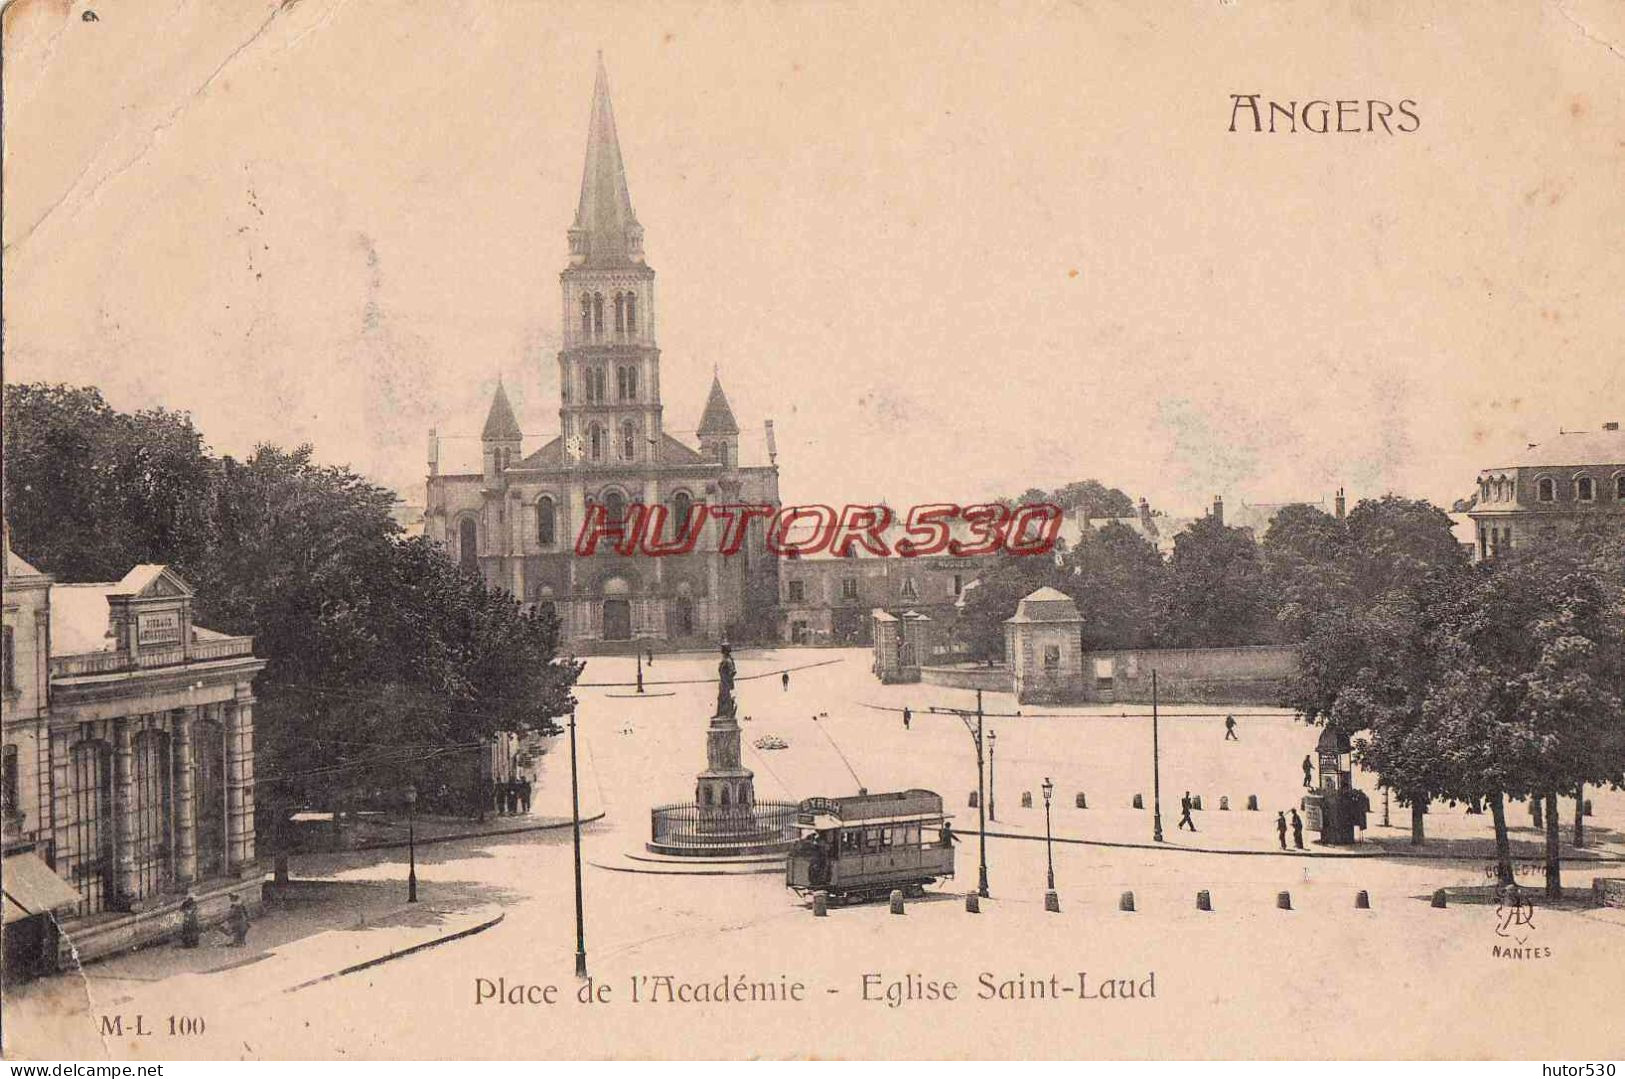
1362	598
1213	594
1114	574
1532	694
993	598
90	491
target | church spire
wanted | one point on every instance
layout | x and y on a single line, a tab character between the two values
606	231
718	417
500	424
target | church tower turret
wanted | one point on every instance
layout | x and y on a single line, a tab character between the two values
719	431
609	368
501	436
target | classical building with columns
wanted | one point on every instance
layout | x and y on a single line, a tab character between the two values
129	750
516	521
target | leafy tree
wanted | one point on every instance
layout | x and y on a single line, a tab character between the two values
993	599
90	491
1089	499
1114	574
1213	594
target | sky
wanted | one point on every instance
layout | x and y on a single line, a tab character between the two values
952	250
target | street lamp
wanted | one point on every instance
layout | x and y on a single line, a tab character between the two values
411	844
1049	847
992	798
1156	769
575	835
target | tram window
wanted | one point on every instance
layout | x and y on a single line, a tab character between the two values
871	839
887	836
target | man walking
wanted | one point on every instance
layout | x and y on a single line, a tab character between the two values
907	715
1185	813
1280	828
1230	729
1297	830
784	680
1308	771
524	796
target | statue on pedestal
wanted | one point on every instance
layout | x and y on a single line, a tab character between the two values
726	705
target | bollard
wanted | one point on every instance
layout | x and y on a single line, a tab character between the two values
1283	900
1052	901
820	904
1196	801
1026	799
1082	802
1439	902
1362	900
973	903
1252	802
1126	902
896	901
1224	802
973	799
1204	901
1139	803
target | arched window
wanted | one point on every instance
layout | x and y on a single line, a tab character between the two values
586	315
631	312
626	382
595	441
629	440
544	521
1546	489
1619	488
468	544
620	312
681	504
614	508
598	314
1585	489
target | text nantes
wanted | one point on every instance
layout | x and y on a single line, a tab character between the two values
798	531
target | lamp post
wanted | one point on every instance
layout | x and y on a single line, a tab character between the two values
411	844
992	788
640	670
575	831
1156	769
1049	845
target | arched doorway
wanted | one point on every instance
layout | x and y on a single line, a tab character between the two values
617	610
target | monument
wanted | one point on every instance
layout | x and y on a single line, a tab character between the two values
725	819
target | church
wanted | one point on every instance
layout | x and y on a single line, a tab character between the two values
516	521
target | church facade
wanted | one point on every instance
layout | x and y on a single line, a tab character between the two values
516	521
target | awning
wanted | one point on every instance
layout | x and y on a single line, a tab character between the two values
14	913
33	888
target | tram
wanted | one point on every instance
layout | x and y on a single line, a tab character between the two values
865	845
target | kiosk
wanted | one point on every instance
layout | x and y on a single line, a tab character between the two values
1334	808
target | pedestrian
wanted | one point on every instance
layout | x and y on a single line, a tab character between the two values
946	836
1280	828
651	656
512	790
784	679
907	716
1297	830
191	926
1185	814
1230	729
524	796
1308	771
237	922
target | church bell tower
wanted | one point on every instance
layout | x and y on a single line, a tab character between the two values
609	368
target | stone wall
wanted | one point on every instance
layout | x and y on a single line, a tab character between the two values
968	676
1610	891
1255	674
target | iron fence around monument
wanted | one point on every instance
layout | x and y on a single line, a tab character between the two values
691	824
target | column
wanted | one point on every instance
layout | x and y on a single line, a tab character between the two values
124	877
239	784
185	798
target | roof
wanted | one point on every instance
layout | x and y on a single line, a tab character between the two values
32	888
1573	448
500	424
549	456
79	618
718	417
1046	605
605	210
16	567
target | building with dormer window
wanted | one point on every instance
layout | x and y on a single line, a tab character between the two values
1550	487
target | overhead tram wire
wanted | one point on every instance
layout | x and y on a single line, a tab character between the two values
945	711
